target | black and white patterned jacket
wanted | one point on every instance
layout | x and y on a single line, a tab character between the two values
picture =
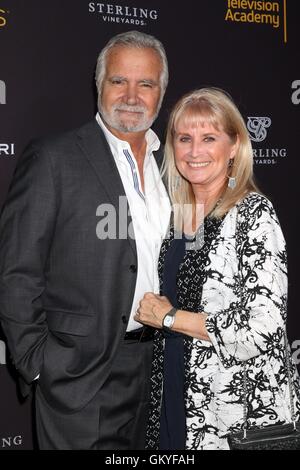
245	297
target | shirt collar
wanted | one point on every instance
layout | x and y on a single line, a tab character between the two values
117	145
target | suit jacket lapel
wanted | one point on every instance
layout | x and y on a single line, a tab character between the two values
97	151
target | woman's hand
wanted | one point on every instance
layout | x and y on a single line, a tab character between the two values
152	310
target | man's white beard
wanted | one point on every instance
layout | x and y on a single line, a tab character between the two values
114	119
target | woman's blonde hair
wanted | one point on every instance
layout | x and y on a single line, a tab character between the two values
215	107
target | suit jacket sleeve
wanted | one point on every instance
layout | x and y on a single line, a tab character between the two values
26	228
255	322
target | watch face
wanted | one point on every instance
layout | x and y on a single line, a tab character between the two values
168	321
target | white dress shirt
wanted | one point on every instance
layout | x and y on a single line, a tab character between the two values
150	210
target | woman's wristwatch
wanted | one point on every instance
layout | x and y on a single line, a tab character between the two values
169	319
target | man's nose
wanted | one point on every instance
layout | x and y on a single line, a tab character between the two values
131	94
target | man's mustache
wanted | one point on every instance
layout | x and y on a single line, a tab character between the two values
130	109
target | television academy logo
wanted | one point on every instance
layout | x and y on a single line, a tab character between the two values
123	14
2	92
257	128
263	13
296	94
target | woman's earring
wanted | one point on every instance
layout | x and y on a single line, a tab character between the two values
232	182
231	179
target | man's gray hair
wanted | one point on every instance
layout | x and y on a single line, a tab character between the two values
138	40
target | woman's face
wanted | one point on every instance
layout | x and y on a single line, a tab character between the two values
202	153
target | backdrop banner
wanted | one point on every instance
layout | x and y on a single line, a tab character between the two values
48	51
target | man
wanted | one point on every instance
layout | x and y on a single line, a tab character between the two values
71	277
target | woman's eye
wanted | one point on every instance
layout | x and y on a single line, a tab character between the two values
184	139
209	139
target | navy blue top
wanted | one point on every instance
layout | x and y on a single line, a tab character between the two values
172	421
183	276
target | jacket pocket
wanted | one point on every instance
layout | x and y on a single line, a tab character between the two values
70	323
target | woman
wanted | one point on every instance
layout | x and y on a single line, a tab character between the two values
223	286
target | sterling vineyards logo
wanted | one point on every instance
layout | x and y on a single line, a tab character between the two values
11	441
258	131
123	14
2	92
257	128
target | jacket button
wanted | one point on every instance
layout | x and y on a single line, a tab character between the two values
132	268
124	319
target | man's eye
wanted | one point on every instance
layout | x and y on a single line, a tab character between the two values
116	81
